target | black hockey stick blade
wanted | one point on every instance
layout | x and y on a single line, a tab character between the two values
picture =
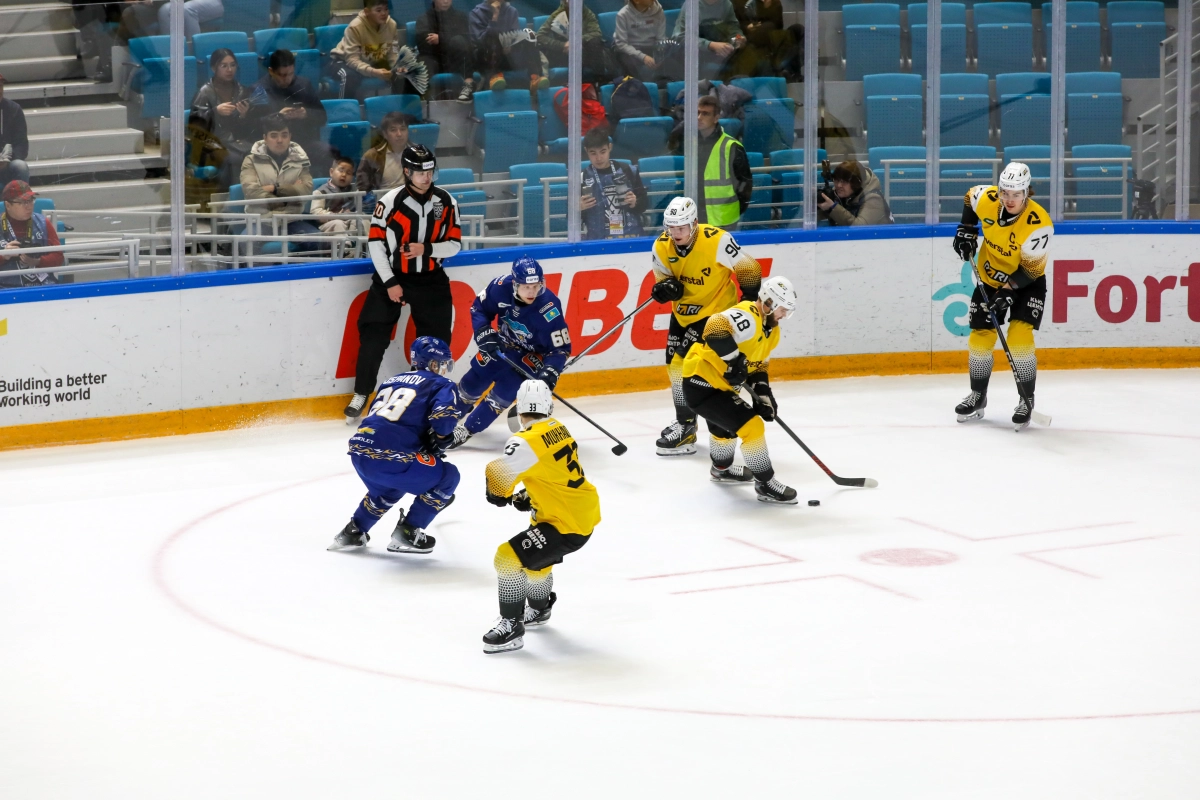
868	483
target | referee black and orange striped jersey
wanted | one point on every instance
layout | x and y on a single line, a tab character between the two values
402	217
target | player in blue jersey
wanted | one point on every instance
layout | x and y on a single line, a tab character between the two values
397	450
531	331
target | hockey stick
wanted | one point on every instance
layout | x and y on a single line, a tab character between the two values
1034	416
620	448
512	411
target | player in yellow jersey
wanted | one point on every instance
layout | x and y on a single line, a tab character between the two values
700	270
1016	242
737	345
565	509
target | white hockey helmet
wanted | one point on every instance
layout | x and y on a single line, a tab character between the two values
1015	178
779	292
681	211
534	398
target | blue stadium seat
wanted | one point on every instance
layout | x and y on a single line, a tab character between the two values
404	103
606	92
144	47
304	13
732	126
904	184
965	117
349	139
1100	179
1024	108
954	47
1002	13
964	83
445	84
1077	11
558	76
1134	48
603	6
155	81
426	133
871	14
1037	158
670	186
204	44
470	201
895	120
1093	82
1006	47
1094	108
762	88
891	83
269	40
952	14
957	178
328	37
672	16
770	125
608	24
339	111
1135	11
449	176
1023	83
1083	45
508	138
308	66
639	137
871	49
762	194
791	182
410	33
532	196
247	15
539	21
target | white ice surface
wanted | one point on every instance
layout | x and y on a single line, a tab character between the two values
1006	616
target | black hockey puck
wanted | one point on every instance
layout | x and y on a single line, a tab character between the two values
814	502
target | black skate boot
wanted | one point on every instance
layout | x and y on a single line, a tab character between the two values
354	410
460	434
773	491
735	473
971	407
507	634
351	537
407	539
1022	413
678	439
536	617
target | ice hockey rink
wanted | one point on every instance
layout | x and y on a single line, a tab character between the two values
1007	615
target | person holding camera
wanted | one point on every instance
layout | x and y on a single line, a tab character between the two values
613	197
852	195
21	227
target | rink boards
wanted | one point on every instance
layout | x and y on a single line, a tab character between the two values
157	356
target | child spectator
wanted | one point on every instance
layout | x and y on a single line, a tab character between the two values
598	66
444	42
370	48
613	197
341	179
641	25
501	45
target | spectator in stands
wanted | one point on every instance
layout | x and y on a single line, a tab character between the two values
21	227
641	25
724	168
857	198
14	141
335	209
94	24
720	33
731	100
500	44
220	119
281	91
771	49
138	18
552	39
380	169
278	167
195	13
371	48
444	43
613	197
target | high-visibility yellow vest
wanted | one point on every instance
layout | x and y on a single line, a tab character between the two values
720	200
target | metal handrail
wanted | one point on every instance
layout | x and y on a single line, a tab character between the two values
131	247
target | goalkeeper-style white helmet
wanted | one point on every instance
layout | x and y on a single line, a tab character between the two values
1015	178
779	293
534	398
681	211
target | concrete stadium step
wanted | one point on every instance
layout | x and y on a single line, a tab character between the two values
30	17
50	90
82	118
135	163
120	141
43	68
38	43
103	196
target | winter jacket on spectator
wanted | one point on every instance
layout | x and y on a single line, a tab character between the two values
35	232
554	31
866	207
13	129
366	46
323	207
291	177
481	23
446	24
718	22
266	98
639	31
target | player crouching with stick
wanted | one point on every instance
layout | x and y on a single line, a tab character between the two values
564	507
734	351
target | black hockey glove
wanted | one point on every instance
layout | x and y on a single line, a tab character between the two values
764	398
1002	301
435	444
965	242
667	291
549	376
737	370
521	501
498	499
488	342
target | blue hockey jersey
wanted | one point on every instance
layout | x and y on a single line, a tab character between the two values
540	327
406	407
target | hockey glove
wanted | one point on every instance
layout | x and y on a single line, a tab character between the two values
737	370
965	242
667	291
488	342
521	501
435	444
764	398
1001	302
498	499
549	376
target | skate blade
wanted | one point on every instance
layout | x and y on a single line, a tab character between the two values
515	644
732	481
1020	426
536	622
778	502
685	450
407	548
337	548
353	420
968	417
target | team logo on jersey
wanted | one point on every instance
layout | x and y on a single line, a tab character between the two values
520	330
706	271
691	280
1033	218
438	208
711	232
551	314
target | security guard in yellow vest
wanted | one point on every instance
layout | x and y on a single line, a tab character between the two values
1016	245
700	270
727	181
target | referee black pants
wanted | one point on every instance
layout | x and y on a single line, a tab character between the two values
428	297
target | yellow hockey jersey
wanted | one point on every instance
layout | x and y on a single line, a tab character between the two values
744	325
545	458
711	272
1022	245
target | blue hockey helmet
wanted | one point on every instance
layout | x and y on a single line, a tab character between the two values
526	270
431	353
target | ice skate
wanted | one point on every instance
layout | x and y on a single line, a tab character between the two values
678	439
735	473
773	491
536	617
971	407
507	634
351	537
407	539
354	410
461	435
1023	413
